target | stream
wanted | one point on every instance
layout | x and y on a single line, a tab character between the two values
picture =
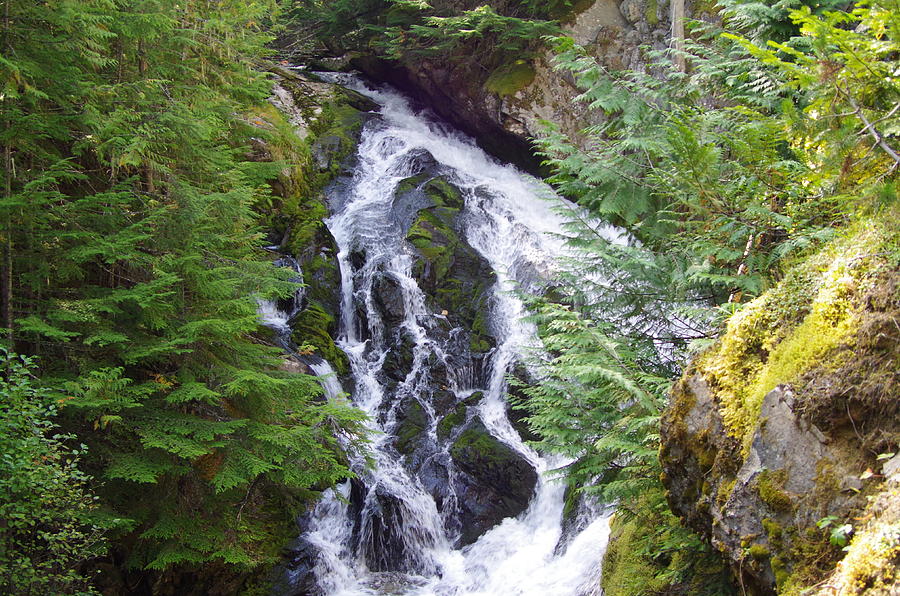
453	502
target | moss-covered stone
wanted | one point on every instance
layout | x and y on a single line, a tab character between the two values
871	565
770	486
414	422
312	329
496	482
802	324
758	551
454	277
510	78
452	420
799	393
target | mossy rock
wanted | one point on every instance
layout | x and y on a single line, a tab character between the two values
452	420
483	456
336	137
452	274
509	79
769	428
399	359
444	194
770	486
313	327
412	424
495	482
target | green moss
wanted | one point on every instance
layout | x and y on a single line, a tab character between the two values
452	420
626	571
567	11
650	13
411	427
412	183
724	490
510	78
773	531
781	571
802	323
477	444
769	486
758	552
431	232
650	552
480	339
806	557
872	563
443	194
311	331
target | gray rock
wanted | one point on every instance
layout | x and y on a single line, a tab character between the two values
789	478
891	468
495	482
388	297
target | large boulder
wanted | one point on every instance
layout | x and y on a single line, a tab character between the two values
380	536
455	278
388	296
760	509
769	447
494	481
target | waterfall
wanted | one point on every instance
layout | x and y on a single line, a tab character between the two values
276	314
417	521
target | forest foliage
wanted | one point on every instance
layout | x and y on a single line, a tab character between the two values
780	133
152	410
131	265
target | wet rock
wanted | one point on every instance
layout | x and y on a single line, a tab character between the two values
399	359
297	577
451	421
442	399
314	327
455	278
337	144
357	260
435	478
495	482
388	297
380	536
324	150
579	512
458	416
412	423
358	101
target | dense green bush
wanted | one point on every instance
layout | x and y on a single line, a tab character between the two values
49	525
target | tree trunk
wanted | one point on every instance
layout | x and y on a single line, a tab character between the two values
678	33
6	267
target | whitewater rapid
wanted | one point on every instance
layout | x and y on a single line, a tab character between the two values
509	219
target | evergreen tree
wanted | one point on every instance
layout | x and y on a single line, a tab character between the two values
130	232
721	177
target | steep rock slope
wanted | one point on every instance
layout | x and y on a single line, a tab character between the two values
778	434
504	104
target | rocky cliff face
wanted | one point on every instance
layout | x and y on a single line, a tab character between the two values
504	106
779	435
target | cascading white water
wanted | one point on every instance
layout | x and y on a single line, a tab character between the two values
276	314
507	220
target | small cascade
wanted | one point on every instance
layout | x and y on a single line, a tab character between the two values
277	314
433	238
